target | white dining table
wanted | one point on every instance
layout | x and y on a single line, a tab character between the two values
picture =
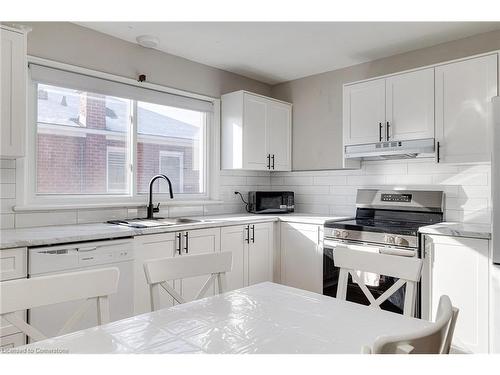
262	318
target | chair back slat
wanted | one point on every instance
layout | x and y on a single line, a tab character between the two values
160	271
165	269
406	269
434	339
25	294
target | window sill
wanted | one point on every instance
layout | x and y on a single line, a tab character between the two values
90	206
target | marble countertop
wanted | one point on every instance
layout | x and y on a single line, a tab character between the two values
458	230
57	234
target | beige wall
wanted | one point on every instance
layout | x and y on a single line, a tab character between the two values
317	100
73	44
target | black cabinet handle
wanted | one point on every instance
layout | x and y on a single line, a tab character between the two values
387	136
253	233
179	243
186	248
273	161
380	132
268	161
438	149
247	237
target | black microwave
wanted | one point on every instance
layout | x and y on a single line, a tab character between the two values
270	202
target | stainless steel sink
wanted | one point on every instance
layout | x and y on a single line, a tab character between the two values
157	222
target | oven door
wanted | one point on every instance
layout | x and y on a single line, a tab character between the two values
270	202
377	284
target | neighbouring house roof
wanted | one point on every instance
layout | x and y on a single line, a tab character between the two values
62	107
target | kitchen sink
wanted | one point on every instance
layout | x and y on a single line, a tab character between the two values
156	222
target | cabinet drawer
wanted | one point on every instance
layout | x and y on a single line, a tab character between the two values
13	263
11	341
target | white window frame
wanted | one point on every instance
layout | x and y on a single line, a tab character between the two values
28	200
176	154
116	150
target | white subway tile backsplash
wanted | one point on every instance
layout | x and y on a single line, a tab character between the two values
259	180
7	163
7	191
386	168
233	180
406	180
297	180
178	211
363	181
461	178
91	216
7	176
7	221
36	219
330	180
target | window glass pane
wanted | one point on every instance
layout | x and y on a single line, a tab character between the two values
171	141
78	135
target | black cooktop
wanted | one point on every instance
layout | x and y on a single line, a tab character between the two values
387	221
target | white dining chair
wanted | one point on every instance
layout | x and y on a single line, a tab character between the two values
406	269
160	271
24	294
435	339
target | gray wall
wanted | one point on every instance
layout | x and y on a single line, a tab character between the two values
317	100
72	44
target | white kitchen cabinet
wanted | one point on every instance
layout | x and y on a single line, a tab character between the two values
148	247
13	92
196	242
409	108
256	132
364	112
164	245
399	107
495	308
459	268
252	246
13	265
301	256
463	97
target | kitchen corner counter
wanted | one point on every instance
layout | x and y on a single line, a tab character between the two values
458	230
58	234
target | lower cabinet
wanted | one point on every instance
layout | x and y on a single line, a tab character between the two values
171	245
301	256
459	268
252	246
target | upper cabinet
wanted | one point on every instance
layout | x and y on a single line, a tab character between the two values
464	90
256	132
13	92
400	107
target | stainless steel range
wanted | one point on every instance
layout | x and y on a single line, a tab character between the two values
387	222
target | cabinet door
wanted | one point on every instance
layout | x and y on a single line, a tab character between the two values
260	253
364	110
410	106
150	247
13	98
254	132
234	239
11	341
460	269
198	242
301	257
463	97
279	132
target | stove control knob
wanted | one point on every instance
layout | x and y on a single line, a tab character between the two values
336	233
400	241
389	239
344	234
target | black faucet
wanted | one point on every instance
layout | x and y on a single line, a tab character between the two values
151	208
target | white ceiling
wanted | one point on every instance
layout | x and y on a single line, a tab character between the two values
275	52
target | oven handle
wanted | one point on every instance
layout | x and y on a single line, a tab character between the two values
398	252
382	250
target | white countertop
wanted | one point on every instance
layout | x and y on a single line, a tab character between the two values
458	230
263	318
57	234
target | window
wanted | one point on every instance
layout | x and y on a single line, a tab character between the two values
96	138
175	137
116	169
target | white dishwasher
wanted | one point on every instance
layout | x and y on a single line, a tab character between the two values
43	261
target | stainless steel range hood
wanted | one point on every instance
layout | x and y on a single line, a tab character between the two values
392	150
